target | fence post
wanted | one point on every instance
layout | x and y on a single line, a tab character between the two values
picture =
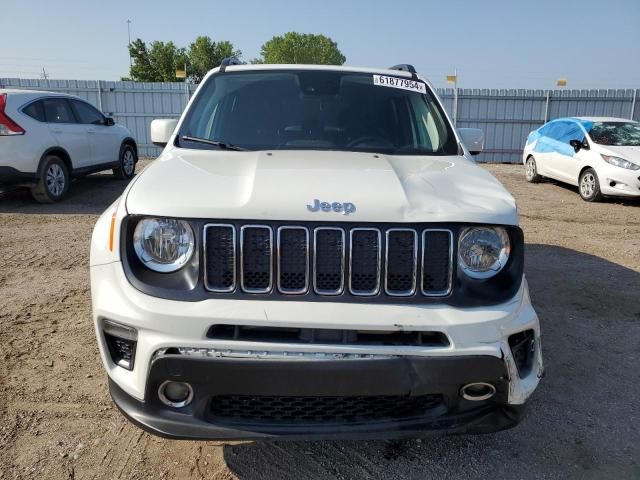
546	107
633	103
100	95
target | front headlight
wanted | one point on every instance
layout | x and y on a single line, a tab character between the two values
620	162
483	251
163	244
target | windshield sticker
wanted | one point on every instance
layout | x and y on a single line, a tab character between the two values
403	83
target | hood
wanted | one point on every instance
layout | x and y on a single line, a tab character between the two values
279	185
628	153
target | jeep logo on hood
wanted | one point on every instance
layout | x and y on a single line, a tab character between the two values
344	208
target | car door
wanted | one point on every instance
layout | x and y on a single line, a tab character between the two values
543	149
68	133
104	140
565	159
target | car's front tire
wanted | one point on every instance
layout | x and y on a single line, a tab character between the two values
531	171
54	181
127	163
589	186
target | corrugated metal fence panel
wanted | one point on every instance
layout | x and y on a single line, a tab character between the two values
506	116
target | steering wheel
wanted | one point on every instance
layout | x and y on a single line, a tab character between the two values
368	139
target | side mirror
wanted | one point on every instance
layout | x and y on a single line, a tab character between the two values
473	139
161	130
109	122
578	145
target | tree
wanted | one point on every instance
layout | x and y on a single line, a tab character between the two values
205	54
159	61
295	47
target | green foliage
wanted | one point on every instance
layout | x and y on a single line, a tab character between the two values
306	48
205	54
159	61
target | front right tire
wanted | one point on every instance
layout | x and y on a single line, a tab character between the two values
54	181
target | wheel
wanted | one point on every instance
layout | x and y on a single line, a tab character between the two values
127	167
590	186
531	171
54	181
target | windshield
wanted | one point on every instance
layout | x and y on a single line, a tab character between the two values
618	134
317	110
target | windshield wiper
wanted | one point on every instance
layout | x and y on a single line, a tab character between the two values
206	141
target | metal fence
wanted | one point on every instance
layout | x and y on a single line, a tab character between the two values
506	116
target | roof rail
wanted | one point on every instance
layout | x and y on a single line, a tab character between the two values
229	61
406	67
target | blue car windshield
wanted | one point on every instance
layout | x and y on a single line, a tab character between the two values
616	134
317	110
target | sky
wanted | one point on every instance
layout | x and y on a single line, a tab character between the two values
491	43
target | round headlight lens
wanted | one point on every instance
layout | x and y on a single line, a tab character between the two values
483	251
163	244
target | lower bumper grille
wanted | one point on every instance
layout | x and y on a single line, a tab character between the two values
304	410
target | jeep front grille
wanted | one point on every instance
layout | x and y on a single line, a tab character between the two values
328	260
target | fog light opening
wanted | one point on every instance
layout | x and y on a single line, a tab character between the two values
477	391
175	394
121	341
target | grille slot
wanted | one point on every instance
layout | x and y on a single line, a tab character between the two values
437	262
365	249
305	410
328	260
402	249
220	248
293	260
256	242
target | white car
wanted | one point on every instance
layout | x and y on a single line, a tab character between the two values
599	155
48	138
315	254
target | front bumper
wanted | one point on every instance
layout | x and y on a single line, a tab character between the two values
616	181
478	351
402	378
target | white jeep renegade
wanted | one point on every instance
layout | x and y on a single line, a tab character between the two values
315	254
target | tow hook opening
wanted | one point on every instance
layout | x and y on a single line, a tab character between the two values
477	391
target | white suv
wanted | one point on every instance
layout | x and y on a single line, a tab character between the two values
47	138
315	254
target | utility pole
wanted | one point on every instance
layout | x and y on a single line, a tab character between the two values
45	75
129	44
454	79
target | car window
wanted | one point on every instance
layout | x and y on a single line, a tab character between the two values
87	114
57	110
619	134
35	111
571	131
318	110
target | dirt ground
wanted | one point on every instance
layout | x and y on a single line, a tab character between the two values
583	265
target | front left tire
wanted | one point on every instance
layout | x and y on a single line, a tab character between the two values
589	186
127	163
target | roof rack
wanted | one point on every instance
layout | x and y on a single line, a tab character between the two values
406	67
229	61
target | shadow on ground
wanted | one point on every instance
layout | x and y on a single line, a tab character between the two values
87	195
581	423
572	188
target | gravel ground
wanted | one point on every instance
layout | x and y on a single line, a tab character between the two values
583	265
